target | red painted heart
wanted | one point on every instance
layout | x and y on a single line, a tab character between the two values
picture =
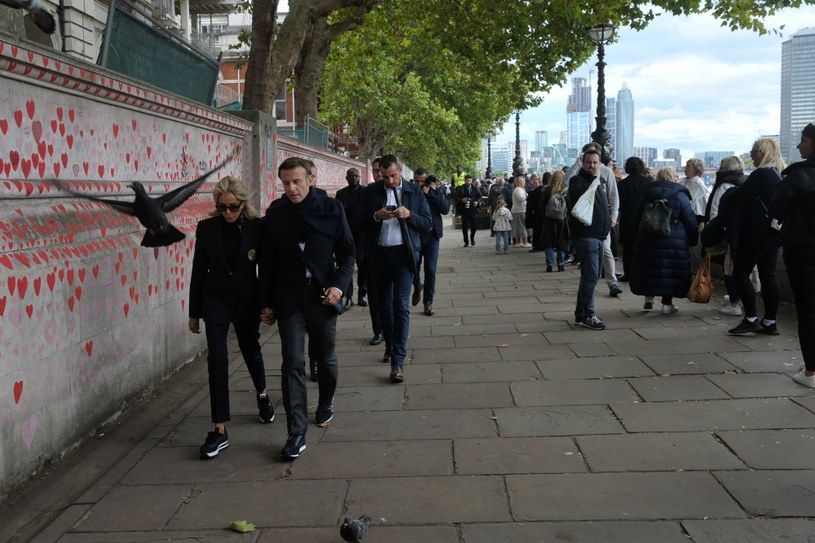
18	391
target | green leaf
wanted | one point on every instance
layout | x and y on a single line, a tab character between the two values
242	526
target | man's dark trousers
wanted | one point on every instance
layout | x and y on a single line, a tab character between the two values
394	278
468	222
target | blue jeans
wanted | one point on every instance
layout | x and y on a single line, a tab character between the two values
550	257
590	253
429	256
394	278
501	236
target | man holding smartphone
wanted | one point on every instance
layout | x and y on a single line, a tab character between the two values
394	215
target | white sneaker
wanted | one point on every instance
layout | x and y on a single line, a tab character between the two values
727	298
803	379
730	310
668	309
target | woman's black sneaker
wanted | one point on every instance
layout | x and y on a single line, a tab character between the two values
265	409
214	443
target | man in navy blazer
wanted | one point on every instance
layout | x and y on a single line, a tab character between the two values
391	211
307	259
429	254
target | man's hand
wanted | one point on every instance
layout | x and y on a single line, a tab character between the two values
613	223
267	316
194	325
384	214
332	296
401	212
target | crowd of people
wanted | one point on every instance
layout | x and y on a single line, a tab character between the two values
294	267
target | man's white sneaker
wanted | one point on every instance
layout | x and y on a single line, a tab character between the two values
668	309
803	379
728	309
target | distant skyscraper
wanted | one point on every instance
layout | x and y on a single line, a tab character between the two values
673	154
578	114
624	121
541	140
646	154
611	120
797	90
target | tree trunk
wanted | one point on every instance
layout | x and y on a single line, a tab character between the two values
274	51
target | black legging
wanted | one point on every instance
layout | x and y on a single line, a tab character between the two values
800	263
762	252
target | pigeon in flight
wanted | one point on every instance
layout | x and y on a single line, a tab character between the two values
151	212
36	10
354	530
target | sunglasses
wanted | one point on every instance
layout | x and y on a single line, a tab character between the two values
231	207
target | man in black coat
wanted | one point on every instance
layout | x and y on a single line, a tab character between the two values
429	253
468	198
307	259
393	215
349	197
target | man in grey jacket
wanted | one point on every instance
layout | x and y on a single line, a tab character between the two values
609	185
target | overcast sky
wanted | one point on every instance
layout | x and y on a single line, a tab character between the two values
696	86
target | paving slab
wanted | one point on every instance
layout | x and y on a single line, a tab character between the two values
759	385
536	352
458	396
713	415
687	363
611	496
750	531
408	425
590	349
477	354
772	493
657	452
502	340
371	374
772	449
427	500
128	508
184	536
365	398
557	421
481	372
575	532
708	344
517	455
677	387
775	361
216	505
572	392
596	367
465	330
376	532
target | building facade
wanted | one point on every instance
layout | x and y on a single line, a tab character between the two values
624	126
578	114
797	90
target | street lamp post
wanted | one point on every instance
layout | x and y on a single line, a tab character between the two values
601	35
517	162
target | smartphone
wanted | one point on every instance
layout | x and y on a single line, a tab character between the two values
390	208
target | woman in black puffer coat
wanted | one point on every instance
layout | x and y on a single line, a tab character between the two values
662	265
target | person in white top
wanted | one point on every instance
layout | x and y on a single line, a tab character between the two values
694	169
519	213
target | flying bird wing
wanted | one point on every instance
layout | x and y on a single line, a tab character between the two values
123	207
37	11
178	196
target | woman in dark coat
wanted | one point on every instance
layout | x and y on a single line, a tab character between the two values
630	190
792	206
662	264
758	241
224	291
555	233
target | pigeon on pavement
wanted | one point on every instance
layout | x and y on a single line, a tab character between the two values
151	212
354	530
36	10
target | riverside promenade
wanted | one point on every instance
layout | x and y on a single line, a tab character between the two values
512	425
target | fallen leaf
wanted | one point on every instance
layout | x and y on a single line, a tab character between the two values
242	526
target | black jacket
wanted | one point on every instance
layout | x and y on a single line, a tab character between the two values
794	202
374	198
630	190
319	222
218	292
601	220
438	205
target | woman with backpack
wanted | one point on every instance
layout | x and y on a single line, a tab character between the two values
667	228
555	232
758	241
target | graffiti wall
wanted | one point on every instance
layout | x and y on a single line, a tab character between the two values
89	317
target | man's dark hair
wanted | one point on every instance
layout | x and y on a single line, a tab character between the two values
376	160
468	176
430	179
387	161
635	166
420	171
591	151
294	162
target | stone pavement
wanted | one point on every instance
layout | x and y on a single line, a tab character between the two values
512	425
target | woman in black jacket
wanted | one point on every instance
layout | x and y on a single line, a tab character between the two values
792	206
630	190
758	241
224	290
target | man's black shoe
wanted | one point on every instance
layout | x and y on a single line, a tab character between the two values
417	295
745	327
472	241
349	303
214	443
768	329
324	414
265	409
377	339
362	302
293	447
387	357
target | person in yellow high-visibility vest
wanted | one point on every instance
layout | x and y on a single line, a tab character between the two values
458	178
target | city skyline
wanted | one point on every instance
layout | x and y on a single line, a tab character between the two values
697	86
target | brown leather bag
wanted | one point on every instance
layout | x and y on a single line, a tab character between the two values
701	289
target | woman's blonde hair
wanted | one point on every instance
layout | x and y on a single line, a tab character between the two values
238	189
520	181
772	153
500	202
556	182
666	174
